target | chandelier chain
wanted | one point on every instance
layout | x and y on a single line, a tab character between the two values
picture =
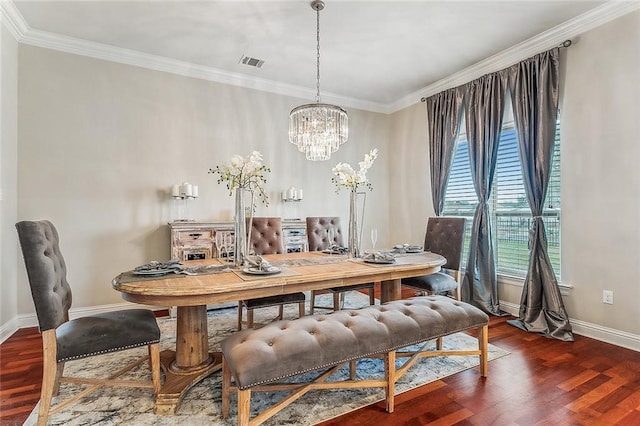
318	55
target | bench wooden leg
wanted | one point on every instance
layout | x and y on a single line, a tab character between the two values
226	385
439	343
244	407
352	370
483	345
390	375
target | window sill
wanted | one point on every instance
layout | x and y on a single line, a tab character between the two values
519	282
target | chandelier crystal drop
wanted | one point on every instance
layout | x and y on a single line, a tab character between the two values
318	129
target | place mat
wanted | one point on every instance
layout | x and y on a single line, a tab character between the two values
311	261
130	276
248	277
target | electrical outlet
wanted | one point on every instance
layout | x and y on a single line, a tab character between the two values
607	297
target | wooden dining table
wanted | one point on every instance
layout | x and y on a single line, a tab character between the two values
191	361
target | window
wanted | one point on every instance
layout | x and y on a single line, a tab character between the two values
509	209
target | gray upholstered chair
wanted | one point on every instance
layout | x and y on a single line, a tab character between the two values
320	230
65	340
444	236
266	238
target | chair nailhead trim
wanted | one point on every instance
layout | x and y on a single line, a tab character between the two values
151	342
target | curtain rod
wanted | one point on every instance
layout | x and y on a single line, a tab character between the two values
565	43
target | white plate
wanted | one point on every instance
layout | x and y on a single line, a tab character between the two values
414	250
252	271
152	272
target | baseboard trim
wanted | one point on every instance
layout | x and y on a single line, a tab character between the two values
593	331
8	329
30	320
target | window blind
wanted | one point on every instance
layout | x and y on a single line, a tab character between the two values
508	204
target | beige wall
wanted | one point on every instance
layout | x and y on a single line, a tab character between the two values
101	142
8	170
600	176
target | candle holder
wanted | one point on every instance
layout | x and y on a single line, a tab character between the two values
182	196
292	194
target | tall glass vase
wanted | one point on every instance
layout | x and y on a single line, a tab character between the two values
354	240
240	229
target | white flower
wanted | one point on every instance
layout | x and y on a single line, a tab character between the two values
345	175
244	172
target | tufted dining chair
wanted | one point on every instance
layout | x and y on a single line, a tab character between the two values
444	236
320	231
65	340
266	238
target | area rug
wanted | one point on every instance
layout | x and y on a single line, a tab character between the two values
201	405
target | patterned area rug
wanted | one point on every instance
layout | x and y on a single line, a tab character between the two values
201	405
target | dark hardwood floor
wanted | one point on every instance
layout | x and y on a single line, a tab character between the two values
542	382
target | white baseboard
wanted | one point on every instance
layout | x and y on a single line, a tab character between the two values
30	320
8	329
587	329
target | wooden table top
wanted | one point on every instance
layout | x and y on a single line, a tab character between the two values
301	275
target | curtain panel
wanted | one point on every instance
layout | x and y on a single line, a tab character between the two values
484	108
443	118
534	96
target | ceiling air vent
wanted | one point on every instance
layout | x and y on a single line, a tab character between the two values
252	62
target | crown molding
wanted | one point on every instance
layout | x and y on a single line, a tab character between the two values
21	31
539	43
12	19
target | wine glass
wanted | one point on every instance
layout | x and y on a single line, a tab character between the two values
374	237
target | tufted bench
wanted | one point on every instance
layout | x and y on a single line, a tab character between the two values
256	358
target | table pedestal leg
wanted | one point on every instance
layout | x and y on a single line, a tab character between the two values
190	362
390	290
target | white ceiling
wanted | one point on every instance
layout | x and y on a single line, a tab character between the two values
372	53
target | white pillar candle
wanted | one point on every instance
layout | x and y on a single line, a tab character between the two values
175	191
284	195
194	191
292	193
187	189
299	194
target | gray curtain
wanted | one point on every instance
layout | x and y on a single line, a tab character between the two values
484	106
443	116
534	95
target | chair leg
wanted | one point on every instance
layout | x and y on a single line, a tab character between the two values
312	302
280	312
226	391
154	358
336	301
249	318
239	316
300	309
49	374
59	372
372	296
244	407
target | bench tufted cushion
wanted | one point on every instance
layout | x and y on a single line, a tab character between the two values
317	232
266	236
287	348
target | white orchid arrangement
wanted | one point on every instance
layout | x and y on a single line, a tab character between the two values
244	172
345	175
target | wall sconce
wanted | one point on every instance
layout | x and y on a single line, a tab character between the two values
181	196
292	194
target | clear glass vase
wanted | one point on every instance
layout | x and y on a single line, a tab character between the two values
354	240
240	228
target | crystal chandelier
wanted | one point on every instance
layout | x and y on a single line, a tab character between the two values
318	129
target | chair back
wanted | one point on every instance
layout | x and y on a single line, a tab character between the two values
318	232
445	236
46	271
266	236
